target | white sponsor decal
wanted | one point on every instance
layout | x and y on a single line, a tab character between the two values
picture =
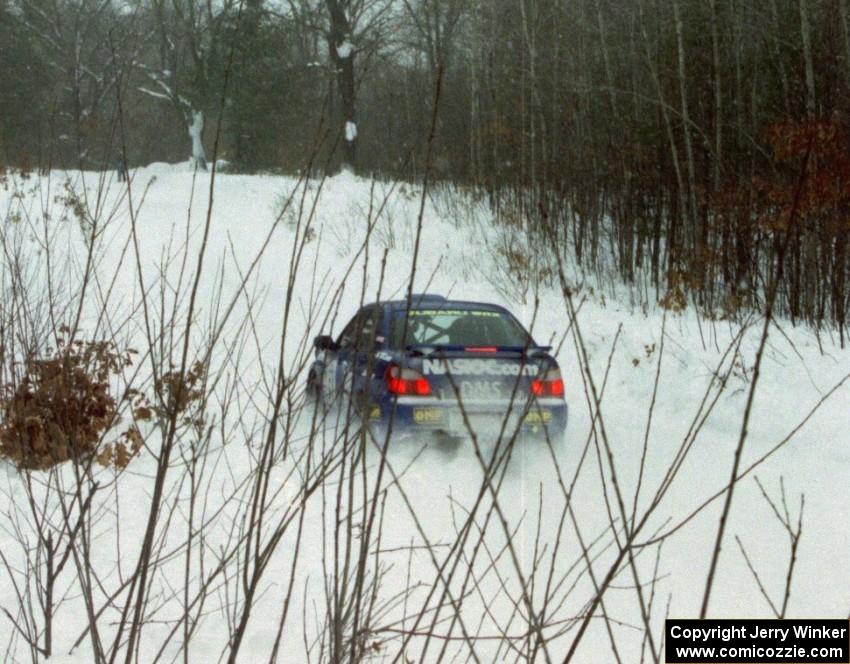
474	367
481	389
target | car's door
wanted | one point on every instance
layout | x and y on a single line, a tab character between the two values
332	378
356	346
363	355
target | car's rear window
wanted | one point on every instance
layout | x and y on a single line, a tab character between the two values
458	327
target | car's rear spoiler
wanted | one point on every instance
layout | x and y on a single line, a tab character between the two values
431	349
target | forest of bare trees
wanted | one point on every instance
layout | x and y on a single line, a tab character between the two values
698	148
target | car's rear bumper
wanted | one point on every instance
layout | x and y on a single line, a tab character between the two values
410	415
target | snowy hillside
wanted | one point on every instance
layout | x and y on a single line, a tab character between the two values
284	261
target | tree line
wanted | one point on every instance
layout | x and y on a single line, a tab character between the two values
698	146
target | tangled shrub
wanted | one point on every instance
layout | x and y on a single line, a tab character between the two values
63	407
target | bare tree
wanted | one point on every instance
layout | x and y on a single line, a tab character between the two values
805	35
353	30
436	24
74	38
187	61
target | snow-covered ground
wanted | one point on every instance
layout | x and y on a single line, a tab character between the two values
458	256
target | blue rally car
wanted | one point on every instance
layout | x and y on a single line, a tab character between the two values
442	367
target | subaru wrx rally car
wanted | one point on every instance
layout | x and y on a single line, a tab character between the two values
443	367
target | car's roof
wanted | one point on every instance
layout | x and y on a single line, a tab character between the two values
436	302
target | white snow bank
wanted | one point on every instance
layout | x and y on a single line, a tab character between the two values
458	258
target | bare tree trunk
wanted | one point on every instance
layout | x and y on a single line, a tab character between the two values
838	285
528	12
805	33
674	152
738	105
474	119
495	117
606	59
527	173
625	203
777	54
342	56
718	98
845	31
686	124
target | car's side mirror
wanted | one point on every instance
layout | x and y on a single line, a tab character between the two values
324	342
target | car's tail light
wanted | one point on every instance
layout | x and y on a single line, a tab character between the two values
407	382
550	385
